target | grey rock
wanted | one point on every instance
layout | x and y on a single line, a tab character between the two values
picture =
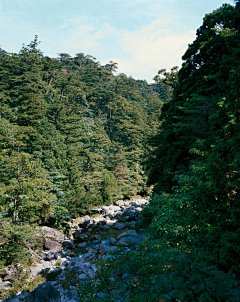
82	244
86	231
92	250
52	245
105	227
35	270
10	278
96	237
63	264
5	285
85	221
132	224
52	234
90	270
77	233
68	244
128	215
8	270
14	298
92	226
119	226
98	210
23	295
112	241
99	220
113	248
50	256
96	242
71	295
82	276
88	257
44	293
103	247
114	208
42	255
81	237
128	238
58	255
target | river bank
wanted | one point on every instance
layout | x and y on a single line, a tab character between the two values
72	255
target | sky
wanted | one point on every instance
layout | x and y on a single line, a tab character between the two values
142	36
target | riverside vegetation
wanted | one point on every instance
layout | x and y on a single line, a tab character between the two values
73	135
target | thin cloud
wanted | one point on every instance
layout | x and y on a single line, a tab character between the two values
152	48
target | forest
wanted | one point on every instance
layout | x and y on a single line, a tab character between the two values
74	135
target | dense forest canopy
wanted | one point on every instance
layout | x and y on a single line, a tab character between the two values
73	135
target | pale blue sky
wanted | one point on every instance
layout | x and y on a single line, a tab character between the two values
142	36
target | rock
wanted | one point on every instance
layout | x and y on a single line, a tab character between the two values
81	237
45	292
88	257
85	221
92	226
99	220
77	233
42	255
11	278
112	241
128	238
90	270
82	244
8	270
5	285
63	264
97	210
111	222
86	231
23	295
128	215
105	227
35	270
132	224
96	237
52	234
82	276
58	255
114	208
50	256
112	248
103	247
14	298
92	250
96	242
69	244
71	295
52	245
119	226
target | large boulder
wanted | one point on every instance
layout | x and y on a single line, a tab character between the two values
52	234
128	215
119	226
52	245
85	222
128	238
69	244
45	292
8	270
99	220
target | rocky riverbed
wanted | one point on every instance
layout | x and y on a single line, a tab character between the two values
87	237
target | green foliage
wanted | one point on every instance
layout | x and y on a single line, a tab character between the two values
14	242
